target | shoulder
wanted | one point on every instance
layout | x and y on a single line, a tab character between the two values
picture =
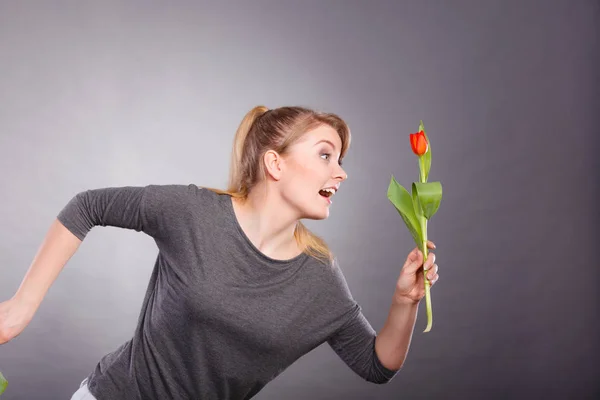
183	200
170	207
337	277
177	192
330	274
331	291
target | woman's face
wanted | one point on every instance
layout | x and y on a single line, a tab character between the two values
311	165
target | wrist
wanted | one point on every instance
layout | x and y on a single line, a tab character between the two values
24	304
404	300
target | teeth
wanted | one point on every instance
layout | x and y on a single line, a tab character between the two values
329	190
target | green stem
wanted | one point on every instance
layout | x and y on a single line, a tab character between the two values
427	283
424	248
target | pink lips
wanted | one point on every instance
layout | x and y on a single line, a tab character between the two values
327	199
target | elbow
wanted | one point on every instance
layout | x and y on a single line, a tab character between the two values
380	380
378	373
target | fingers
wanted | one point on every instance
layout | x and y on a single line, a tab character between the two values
432	269
414	261
414	253
432	273
430	265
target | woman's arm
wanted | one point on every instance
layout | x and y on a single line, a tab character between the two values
393	341
56	249
148	209
356	344
121	207
355	341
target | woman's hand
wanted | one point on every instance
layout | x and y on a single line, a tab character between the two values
410	288
15	314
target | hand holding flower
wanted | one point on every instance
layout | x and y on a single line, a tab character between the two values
410	288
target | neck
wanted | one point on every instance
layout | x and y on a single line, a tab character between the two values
268	222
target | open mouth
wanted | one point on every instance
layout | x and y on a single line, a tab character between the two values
327	192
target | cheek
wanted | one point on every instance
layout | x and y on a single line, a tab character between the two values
301	172
303	181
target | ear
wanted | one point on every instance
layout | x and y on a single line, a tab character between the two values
273	163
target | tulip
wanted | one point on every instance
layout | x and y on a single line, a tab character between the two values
418	142
417	209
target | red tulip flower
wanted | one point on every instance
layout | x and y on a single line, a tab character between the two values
418	142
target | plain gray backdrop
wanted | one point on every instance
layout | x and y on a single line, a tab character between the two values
107	93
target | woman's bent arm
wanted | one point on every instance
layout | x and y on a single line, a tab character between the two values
56	249
149	209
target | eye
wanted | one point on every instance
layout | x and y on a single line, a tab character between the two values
326	154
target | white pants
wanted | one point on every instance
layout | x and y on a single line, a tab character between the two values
83	392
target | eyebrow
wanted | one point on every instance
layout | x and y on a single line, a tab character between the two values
326	141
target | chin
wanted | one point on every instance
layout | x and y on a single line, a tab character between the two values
317	214
309	209
318	217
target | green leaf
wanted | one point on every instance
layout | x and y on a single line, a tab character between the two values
416	203
427	156
429	196
403	202
3	383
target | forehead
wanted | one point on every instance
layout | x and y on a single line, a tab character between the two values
321	135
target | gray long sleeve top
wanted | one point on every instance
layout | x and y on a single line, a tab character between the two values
219	319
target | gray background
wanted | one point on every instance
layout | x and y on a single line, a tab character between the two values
96	94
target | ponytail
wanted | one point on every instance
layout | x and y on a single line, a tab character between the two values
237	173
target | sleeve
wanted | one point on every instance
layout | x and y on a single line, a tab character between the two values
354	343
141	208
354	340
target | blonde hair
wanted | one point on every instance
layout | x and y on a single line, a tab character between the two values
262	129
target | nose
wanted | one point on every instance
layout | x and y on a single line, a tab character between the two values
341	174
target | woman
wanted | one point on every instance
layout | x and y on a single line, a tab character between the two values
240	288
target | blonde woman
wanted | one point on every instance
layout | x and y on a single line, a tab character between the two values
240	288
